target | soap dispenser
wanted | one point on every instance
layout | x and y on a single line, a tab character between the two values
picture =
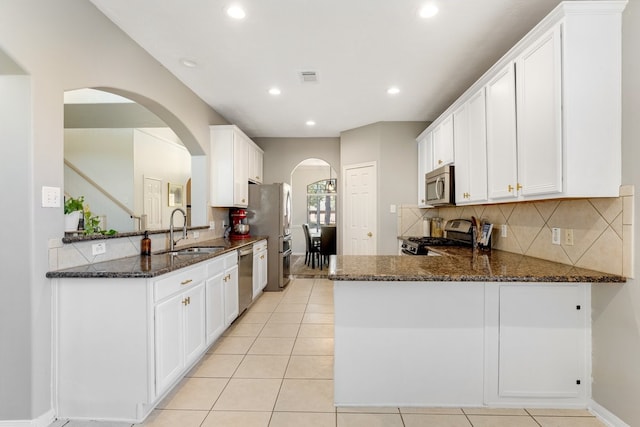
145	244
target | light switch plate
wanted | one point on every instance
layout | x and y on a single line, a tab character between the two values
50	197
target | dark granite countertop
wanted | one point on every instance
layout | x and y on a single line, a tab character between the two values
460	264
149	266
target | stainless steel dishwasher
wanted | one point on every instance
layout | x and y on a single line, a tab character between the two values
245	277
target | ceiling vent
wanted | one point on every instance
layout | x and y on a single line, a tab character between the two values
308	76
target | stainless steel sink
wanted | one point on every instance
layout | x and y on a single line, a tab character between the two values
198	250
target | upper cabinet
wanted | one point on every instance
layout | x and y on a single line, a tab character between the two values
443	142
552	112
425	156
234	161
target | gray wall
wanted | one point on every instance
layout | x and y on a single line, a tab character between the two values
616	308
392	145
61	45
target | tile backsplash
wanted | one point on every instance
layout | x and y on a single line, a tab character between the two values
80	253
602	229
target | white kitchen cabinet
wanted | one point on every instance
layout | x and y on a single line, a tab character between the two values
502	154
256	158
538	342
539	115
179	324
229	167
221	295
443	142
470	143
425	156
259	267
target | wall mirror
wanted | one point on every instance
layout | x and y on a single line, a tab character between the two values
123	159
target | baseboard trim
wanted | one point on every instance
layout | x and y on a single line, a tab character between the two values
43	420
606	416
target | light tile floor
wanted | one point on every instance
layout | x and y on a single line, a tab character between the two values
274	368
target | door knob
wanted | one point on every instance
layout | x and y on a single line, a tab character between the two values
369	234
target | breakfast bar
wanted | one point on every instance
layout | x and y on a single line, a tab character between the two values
466	328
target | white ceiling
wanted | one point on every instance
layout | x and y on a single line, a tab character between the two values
358	47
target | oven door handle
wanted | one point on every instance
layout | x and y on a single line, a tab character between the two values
438	195
286	253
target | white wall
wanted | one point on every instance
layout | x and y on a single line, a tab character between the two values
616	308
62	45
392	145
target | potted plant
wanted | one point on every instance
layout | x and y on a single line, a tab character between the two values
73	210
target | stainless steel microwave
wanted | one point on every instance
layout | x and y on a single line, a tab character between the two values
439	186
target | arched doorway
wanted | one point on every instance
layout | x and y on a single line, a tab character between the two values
313	200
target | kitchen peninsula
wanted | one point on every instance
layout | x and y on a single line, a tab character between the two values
466	328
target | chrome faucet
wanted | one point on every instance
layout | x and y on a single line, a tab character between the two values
172	243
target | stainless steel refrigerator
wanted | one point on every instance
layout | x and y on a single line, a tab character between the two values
269	214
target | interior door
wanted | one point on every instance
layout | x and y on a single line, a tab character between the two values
360	213
153	202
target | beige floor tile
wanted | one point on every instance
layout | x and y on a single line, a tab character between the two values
88	423
232	345
319	308
290	308
262	367
369	420
569	421
324	318
501	421
264	305
305	396
432	411
273	346
321	298
237	419
255	317
313	347
311	330
280	330
244	330
494	411
560	412
310	367
295	298
368	409
216	365
286	318
303	419
172	418
249	395
432	420
194	393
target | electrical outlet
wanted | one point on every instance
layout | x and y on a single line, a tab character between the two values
392	209
555	236
212	225
50	197
568	236
196	234
98	248
503	230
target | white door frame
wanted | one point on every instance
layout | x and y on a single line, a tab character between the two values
345	213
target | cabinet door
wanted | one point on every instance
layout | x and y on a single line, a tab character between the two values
240	170
539	78
542	330
443	143
264	269
169	335
256	274
194	323
502	157
214	291
231	307
425	146
255	163
461	144
477	148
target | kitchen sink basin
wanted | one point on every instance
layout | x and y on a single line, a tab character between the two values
198	250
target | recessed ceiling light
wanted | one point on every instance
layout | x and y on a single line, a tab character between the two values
236	12
393	90
310	123
274	91
429	11
189	63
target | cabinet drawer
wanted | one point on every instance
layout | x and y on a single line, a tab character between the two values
230	259
178	281
260	246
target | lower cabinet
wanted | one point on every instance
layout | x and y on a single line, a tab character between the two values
221	295
259	267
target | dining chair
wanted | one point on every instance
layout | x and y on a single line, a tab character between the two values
327	243
313	247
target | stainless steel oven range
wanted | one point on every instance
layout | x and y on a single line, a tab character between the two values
459	233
